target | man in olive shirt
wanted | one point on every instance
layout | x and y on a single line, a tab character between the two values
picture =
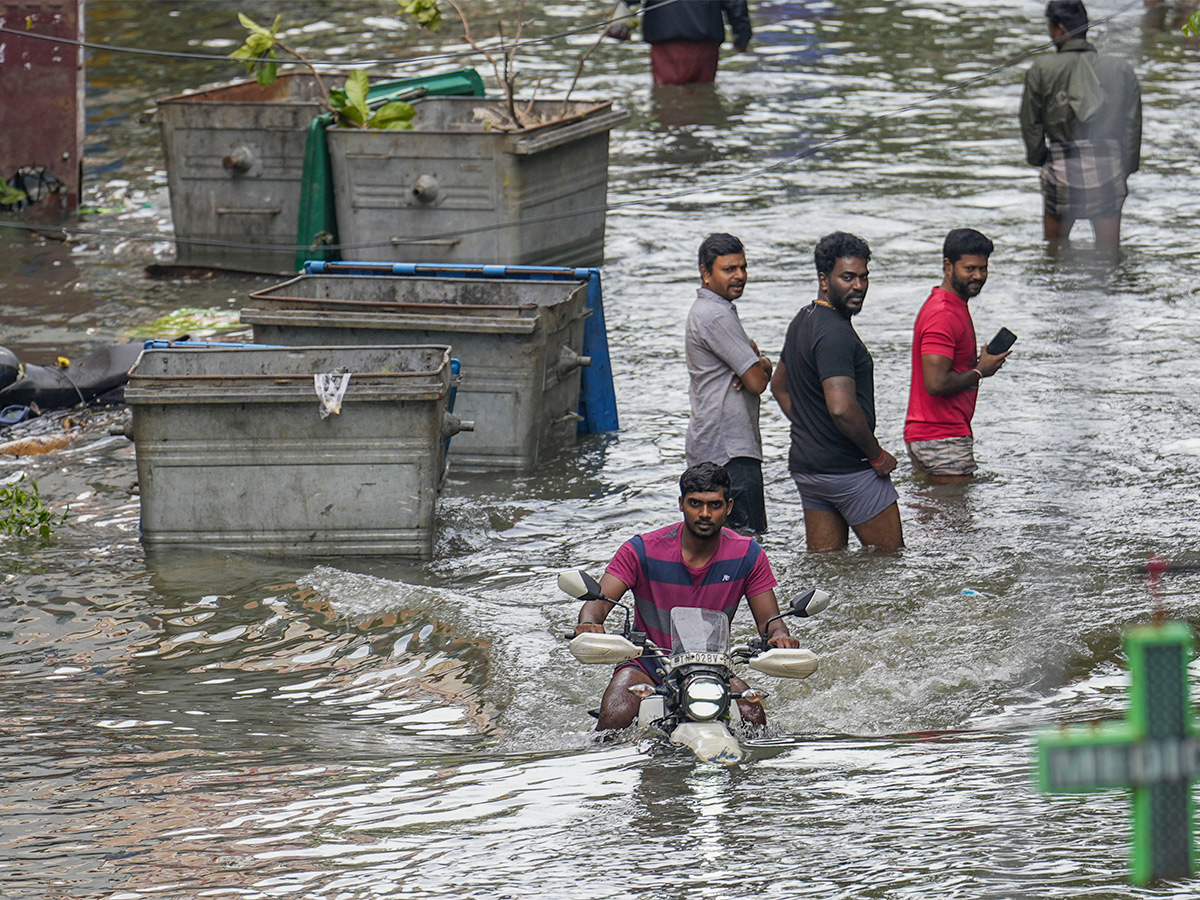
1089	109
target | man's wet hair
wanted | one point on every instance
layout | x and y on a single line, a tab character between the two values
966	242
1069	14
704	478
718	244
836	246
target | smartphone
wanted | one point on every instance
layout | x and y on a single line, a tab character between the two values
1001	342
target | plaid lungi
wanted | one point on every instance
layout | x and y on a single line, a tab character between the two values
1084	180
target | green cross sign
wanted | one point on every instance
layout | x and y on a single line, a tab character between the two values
1155	752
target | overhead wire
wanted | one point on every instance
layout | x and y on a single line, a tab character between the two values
806	153
407	62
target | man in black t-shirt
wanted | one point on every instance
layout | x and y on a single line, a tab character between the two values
825	385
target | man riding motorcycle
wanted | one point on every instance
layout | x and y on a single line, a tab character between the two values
694	563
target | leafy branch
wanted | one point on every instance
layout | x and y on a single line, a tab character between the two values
506	74
349	105
1192	26
504	63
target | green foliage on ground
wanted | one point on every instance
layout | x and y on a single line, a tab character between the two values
190	320
11	196
22	511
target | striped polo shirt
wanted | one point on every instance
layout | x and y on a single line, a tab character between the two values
652	566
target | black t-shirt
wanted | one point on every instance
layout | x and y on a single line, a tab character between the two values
820	344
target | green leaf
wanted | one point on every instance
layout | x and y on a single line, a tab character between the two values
351	103
258	48
1192	26
356	93
426	12
266	75
250	25
394	115
347	115
260	45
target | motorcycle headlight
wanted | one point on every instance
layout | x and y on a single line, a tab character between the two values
704	698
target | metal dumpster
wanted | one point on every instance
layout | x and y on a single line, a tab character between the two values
233	454
520	343
236	166
454	191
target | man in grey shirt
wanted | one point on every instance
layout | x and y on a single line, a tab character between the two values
726	376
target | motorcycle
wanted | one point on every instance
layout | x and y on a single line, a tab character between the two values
695	704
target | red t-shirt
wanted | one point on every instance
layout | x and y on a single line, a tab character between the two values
943	328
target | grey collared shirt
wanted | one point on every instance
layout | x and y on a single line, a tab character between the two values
724	421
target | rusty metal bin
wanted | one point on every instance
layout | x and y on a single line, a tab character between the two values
520	343
235	162
233	454
454	191
237	170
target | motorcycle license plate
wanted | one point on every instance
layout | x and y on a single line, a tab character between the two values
699	659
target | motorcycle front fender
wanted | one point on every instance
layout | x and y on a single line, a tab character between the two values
710	741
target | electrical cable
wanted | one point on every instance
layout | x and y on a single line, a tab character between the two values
416	61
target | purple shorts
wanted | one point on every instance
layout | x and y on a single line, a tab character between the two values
855	496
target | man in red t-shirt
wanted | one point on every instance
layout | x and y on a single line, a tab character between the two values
946	369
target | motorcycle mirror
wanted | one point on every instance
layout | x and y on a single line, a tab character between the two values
809	603
579	584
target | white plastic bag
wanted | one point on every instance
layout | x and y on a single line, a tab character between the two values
331	388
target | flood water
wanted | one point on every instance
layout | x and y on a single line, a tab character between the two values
185	727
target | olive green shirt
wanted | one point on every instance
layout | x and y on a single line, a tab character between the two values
1077	80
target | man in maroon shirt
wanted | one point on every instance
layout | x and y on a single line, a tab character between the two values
946	370
685	36
694	563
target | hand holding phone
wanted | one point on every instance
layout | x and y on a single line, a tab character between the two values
1001	342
